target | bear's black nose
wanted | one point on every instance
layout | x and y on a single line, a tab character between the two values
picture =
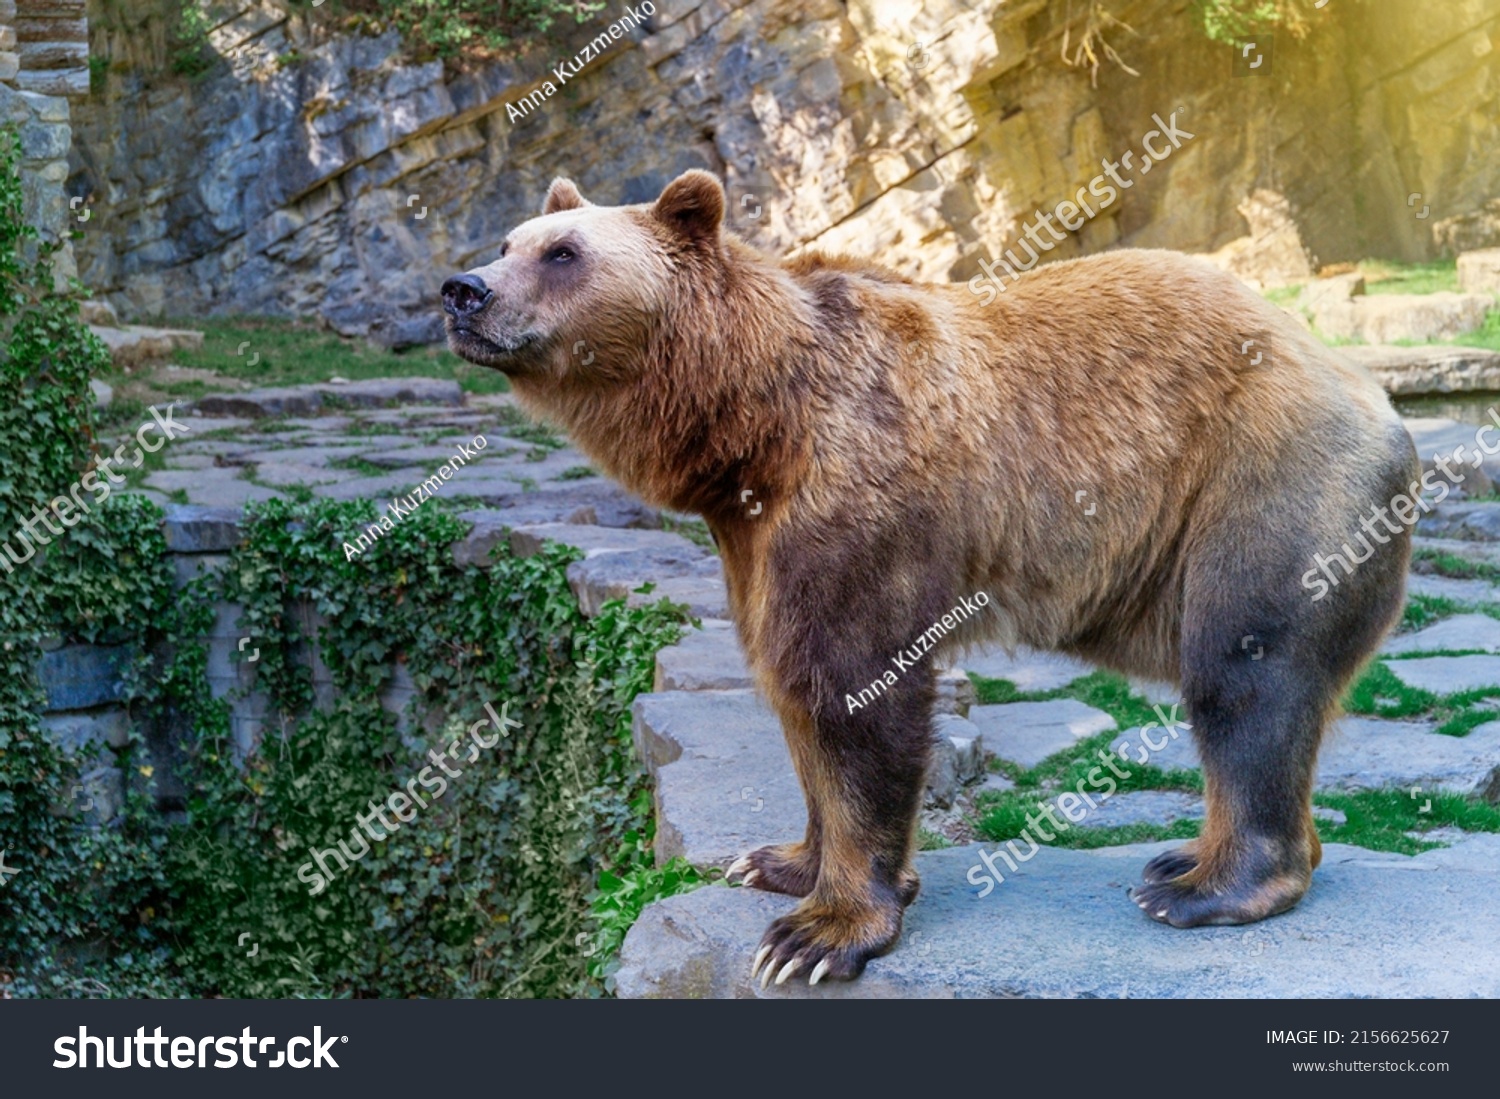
465	295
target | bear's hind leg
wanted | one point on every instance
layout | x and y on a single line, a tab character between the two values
1257	719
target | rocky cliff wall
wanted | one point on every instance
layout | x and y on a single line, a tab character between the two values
312	172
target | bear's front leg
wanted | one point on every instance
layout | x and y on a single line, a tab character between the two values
863	772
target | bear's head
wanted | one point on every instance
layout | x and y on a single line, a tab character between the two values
576	292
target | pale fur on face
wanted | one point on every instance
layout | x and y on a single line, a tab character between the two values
543	308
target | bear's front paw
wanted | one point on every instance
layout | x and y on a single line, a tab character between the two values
790	868
819	942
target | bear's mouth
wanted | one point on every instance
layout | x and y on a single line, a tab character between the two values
470	344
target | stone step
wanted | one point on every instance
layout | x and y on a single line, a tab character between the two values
1413	371
309	400
133	344
1373	925
724	779
1396	318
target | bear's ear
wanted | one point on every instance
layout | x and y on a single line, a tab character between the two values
692	204
562	195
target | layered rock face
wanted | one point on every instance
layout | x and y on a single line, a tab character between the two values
314	172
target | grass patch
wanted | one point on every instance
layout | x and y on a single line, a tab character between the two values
1376	692
1284	296
297	353
928	840
695	530
1378	820
1441	563
1385	277
360	466
577	473
1424	610
520	426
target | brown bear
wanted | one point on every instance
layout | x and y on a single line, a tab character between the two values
1132	456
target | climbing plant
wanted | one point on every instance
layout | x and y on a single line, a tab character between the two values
1231	20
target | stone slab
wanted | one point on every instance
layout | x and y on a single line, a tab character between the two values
191	528
80	677
1027	669
707	659
1026	733
1363	753
1372	926
1411	371
1446	674
1462	631
1446	587
527	541
724	779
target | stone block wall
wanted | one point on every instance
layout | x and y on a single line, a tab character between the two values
44	59
85	684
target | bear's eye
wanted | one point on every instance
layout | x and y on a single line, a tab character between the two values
561	254
504	247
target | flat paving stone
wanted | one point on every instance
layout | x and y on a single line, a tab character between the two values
1027	669
1160	807
1446	587
1372	926
1026	733
1446	674
1462	631
1363	753
382	489
288	473
425	456
310	455
211	487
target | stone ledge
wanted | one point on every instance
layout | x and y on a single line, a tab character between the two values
1373	925
309	400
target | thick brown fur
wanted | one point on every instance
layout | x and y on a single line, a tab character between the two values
1095	449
